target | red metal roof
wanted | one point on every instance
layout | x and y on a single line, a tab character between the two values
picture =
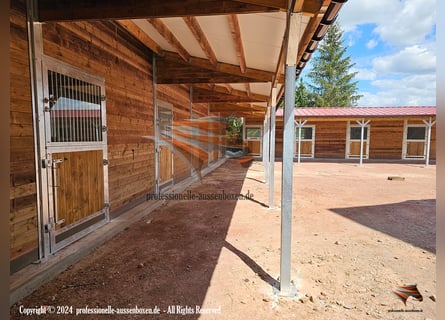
362	112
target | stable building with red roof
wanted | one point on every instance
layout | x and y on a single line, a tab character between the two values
397	133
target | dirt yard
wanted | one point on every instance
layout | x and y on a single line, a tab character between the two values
356	237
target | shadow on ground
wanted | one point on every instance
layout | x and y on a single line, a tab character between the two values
166	259
412	221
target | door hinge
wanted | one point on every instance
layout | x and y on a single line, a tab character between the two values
106	205
103	98
104	128
105	162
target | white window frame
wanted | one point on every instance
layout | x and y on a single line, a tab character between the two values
312	140
406	140
260	138
349	140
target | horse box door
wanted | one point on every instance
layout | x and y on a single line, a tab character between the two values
76	152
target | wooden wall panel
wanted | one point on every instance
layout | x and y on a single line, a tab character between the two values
98	49
23	198
386	139
330	139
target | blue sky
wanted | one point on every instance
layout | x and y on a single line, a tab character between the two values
393	46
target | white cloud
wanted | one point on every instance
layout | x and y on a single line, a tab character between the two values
371	44
413	59
410	90
402	71
397	22
364	74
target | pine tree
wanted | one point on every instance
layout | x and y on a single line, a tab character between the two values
332	82
302	97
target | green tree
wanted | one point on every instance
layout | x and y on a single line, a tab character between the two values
303	98
332	82
234	130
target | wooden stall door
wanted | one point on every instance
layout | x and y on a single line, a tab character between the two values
165	152
165	164
415	149
306	148
78	186
254	147
354	149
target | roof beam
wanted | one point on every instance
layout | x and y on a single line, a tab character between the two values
139	34
222	89
175	70
56	10
219	94
308	7
224	107
200	36
279	4
236	35
170	37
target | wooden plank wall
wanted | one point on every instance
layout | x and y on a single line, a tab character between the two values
22	195
386	139
330	139
97	48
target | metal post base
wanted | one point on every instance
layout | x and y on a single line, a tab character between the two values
292	292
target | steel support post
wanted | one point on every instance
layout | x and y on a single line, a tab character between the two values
429	124
272	148
287	175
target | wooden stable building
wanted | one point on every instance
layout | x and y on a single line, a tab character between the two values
396	133
113	101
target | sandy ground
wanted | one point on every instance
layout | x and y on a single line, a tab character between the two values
356	237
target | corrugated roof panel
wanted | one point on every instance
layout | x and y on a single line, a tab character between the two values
363	111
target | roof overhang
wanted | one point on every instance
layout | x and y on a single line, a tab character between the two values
231	53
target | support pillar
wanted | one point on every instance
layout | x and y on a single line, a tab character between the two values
300	125
429	124
362	125
272	147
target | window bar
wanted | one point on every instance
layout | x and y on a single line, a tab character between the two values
99	118
71	107
82	111
51	114
62	118
76	112
87	110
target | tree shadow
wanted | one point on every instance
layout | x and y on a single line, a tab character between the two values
412	221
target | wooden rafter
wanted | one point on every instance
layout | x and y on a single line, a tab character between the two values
279	4
311	8
236	35
173	70
239	93
56	10
201	38
248	91
219	94
170	37
225	107
139	34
